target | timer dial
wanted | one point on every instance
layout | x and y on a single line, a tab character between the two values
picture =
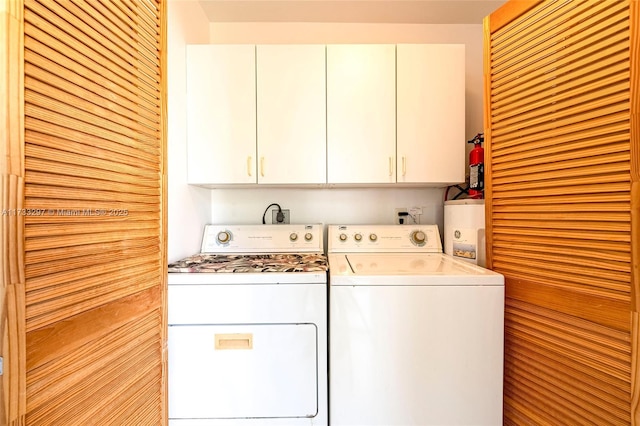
418	238
223	237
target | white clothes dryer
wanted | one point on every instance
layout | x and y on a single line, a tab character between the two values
415	336
247	338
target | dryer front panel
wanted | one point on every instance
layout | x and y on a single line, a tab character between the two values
243	371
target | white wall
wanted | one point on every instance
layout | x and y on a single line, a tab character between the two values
191	207
329	206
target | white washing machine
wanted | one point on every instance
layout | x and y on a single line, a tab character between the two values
247	339
416	336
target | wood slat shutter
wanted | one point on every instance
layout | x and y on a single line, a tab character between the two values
94	237
12	334
562	206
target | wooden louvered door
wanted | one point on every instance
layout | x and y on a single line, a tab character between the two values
12	336
86	320
563	206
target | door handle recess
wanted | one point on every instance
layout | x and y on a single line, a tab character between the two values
262	166
249	165
236	341
404	166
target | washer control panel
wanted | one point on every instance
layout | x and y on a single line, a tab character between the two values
384	239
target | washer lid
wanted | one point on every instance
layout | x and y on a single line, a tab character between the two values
407	269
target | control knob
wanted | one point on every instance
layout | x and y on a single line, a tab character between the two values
223	237
308	236
293	236
358	237
418	238
373	237
343	237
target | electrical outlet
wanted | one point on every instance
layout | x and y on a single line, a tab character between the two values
274	216
416	214
400	218
415	211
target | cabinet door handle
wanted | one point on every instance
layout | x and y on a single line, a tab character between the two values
404	166
390	166
262	166
249	165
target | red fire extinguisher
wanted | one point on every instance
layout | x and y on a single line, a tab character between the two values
476	167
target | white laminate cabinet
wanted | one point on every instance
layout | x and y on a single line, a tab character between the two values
291	114
431	113
221	114
361	114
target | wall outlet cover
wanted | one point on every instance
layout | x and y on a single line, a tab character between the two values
274	216
401	220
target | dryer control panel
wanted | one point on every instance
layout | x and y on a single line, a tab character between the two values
262	239
384	239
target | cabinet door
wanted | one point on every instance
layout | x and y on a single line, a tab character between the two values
431	117
361	114
291	114
221	114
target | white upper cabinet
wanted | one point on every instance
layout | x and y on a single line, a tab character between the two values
291	114
361	114
221	114
431	113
